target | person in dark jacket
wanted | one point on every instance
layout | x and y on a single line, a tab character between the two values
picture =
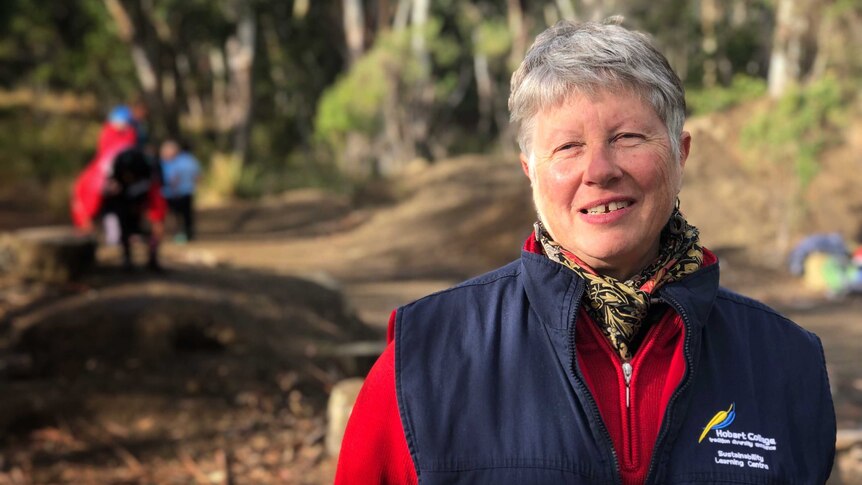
608	353
132	194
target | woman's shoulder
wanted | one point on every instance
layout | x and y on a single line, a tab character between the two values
500	276
752	315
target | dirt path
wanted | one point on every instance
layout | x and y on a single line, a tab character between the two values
203	374
449	229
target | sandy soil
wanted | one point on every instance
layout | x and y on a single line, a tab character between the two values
197	375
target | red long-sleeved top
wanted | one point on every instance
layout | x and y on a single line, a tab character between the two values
374	450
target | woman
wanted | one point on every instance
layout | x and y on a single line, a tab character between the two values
607	353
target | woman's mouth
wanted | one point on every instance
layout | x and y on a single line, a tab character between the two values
606	208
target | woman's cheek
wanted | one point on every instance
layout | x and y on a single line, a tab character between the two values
560	182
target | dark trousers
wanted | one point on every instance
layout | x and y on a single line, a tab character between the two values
183	209
129	215
130	223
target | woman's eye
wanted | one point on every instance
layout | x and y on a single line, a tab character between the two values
628	138
567	146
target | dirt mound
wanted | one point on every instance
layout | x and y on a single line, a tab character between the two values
453	219
300	213
202	372
27	204
742	204
460	216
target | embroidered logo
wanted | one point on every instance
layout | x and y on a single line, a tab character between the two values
721	420
753	457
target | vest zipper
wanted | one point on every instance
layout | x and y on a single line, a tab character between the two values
627	374
689	373
585	391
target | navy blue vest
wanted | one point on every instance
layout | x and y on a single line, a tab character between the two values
489	390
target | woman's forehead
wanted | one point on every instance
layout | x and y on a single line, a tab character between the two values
616	107
594	93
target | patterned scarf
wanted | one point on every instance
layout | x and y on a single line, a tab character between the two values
620	307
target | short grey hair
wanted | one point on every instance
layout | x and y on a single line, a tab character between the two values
585	58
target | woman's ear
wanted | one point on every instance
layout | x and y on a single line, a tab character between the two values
525	166
684	147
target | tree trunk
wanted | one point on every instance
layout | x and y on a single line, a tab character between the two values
593	10
484	87
384	13
219	98
193	99
240	60
144	66
399	22
567	12
418	21
354	29
709	16
786	57
827	37
134	29
738	13
423	90
515	18
300	9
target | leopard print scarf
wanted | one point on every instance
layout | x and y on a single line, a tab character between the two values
620	307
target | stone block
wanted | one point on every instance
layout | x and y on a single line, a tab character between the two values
341	401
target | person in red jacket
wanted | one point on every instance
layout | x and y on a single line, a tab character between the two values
122	187
607	353
117	134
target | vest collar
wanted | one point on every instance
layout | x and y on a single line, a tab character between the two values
695	294
554	290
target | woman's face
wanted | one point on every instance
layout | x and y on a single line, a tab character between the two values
604	179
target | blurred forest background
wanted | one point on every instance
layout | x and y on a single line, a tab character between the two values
279	95
357	155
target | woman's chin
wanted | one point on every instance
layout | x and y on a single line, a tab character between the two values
607	254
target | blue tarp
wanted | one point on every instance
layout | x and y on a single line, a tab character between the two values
829	243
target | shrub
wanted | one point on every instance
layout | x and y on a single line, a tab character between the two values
797	128
227	177
707	100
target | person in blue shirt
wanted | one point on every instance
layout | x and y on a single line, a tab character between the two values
181	172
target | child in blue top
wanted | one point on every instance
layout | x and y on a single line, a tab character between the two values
181	172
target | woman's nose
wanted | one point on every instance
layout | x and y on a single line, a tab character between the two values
601	166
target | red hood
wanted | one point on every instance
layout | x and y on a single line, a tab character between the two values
111	138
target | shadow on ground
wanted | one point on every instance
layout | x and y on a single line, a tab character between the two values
147	378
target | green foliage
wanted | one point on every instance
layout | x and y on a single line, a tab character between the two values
445	51
493	39
797	128
226	177
40	146
843	7
310	169
66	45
707	100
354	103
